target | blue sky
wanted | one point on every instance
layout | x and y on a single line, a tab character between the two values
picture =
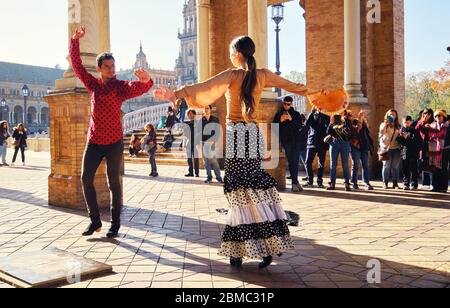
38	34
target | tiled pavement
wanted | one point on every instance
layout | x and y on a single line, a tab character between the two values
171	234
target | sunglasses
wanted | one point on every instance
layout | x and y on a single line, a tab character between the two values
287	104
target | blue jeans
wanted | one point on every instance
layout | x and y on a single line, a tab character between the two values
341	148
182	115
363	157
303	159
3	150
210	165
392	166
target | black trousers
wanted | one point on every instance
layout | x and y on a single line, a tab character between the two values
292	151
310	156
133	151
22	152
440	176
93	156
410	172
193	160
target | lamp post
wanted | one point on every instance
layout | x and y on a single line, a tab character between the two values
26	93
278	17
3	108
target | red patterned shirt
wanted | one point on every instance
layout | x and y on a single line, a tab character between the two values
106	100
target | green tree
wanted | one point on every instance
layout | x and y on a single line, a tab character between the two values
428	90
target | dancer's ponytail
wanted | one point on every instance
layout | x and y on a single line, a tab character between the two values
246	47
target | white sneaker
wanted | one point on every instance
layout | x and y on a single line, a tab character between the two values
23	164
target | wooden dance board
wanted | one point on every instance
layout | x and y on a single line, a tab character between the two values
49	268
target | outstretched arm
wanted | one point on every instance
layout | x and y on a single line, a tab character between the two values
77	65
275	81
202	94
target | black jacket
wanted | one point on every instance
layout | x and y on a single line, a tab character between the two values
4	135
342	131
318	125
289	130
212	135
411	145
364	140
22	138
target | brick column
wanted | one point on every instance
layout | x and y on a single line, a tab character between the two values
203	8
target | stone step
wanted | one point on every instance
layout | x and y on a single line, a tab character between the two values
159	161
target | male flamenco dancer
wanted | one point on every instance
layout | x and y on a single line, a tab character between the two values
105	137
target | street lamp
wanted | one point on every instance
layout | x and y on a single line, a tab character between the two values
278	17
26	93
3	108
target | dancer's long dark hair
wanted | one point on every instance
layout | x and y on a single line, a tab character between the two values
246	47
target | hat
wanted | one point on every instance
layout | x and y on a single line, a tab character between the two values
442	113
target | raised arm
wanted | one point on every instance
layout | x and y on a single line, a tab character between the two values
275	81
77	64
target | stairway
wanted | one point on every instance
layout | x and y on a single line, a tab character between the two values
175	156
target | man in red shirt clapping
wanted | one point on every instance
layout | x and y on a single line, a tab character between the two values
105	136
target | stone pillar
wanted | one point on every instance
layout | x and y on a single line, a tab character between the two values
70	110
352	30
104	38
257	30
203	8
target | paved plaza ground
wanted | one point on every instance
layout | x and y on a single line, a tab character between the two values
171	234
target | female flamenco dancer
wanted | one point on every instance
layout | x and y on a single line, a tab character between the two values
256	225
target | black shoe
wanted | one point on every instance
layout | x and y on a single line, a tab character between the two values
396	186
154	175
289	177
320	185
189	175
208	181
406	188
355	186
220	181
92	228
236	262
347	187
266	262
308	185
197	175
331	186
113	232
305	179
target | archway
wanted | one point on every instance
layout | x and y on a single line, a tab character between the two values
31	115
5	114
45	116
18	115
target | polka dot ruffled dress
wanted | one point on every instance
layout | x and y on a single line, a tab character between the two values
256	225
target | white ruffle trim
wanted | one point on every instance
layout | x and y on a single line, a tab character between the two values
249	206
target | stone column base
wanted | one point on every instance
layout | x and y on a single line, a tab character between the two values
69	123
67	192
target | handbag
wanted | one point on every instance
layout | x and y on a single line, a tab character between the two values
385	155
328	139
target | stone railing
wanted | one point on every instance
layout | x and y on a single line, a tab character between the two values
136	120
35	144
